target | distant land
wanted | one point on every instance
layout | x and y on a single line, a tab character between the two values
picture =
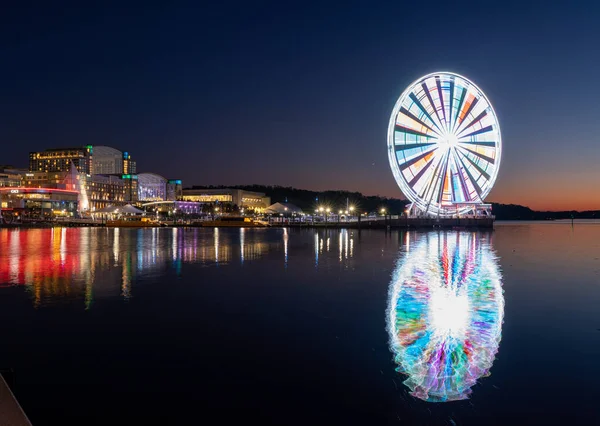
309	200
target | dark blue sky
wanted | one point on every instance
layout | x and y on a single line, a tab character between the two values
299	93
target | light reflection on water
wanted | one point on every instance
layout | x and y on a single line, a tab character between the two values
61	264
156	299
445	313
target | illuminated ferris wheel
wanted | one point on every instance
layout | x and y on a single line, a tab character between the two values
444	145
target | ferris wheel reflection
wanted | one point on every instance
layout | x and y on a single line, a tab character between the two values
445	313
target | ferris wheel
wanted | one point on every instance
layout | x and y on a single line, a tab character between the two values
444	144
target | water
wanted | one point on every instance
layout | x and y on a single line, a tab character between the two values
178	326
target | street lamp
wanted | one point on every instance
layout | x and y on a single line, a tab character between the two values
382	211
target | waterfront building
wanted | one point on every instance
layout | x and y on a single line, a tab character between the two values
95	191
60	159
242	198
105	190
111	161
38	202
153	187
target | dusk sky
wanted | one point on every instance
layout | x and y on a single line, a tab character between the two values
299	93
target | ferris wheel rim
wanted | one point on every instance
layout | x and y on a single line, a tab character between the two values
404	185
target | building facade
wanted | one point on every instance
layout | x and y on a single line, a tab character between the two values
11	177
60	159
131	187
151	187
38	202
174	190
111	161
105	190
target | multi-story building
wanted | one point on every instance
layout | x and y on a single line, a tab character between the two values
131	188
111	161
129	166
105	190
60	159
153	187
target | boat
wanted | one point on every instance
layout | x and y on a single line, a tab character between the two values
233	222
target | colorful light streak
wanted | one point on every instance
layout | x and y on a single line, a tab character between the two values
445	313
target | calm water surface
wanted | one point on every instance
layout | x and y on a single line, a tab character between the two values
216	326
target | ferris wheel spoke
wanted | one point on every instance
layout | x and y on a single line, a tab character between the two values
478	168
413	146
451	100
418	158
471	177
461	178
430	190
403	129
472	123
420	174
466	113
490	144
430	99
478	132
441	96
463	95
443	177
418	103
478	154
418	120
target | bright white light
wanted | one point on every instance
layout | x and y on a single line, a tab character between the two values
449	312
452	139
